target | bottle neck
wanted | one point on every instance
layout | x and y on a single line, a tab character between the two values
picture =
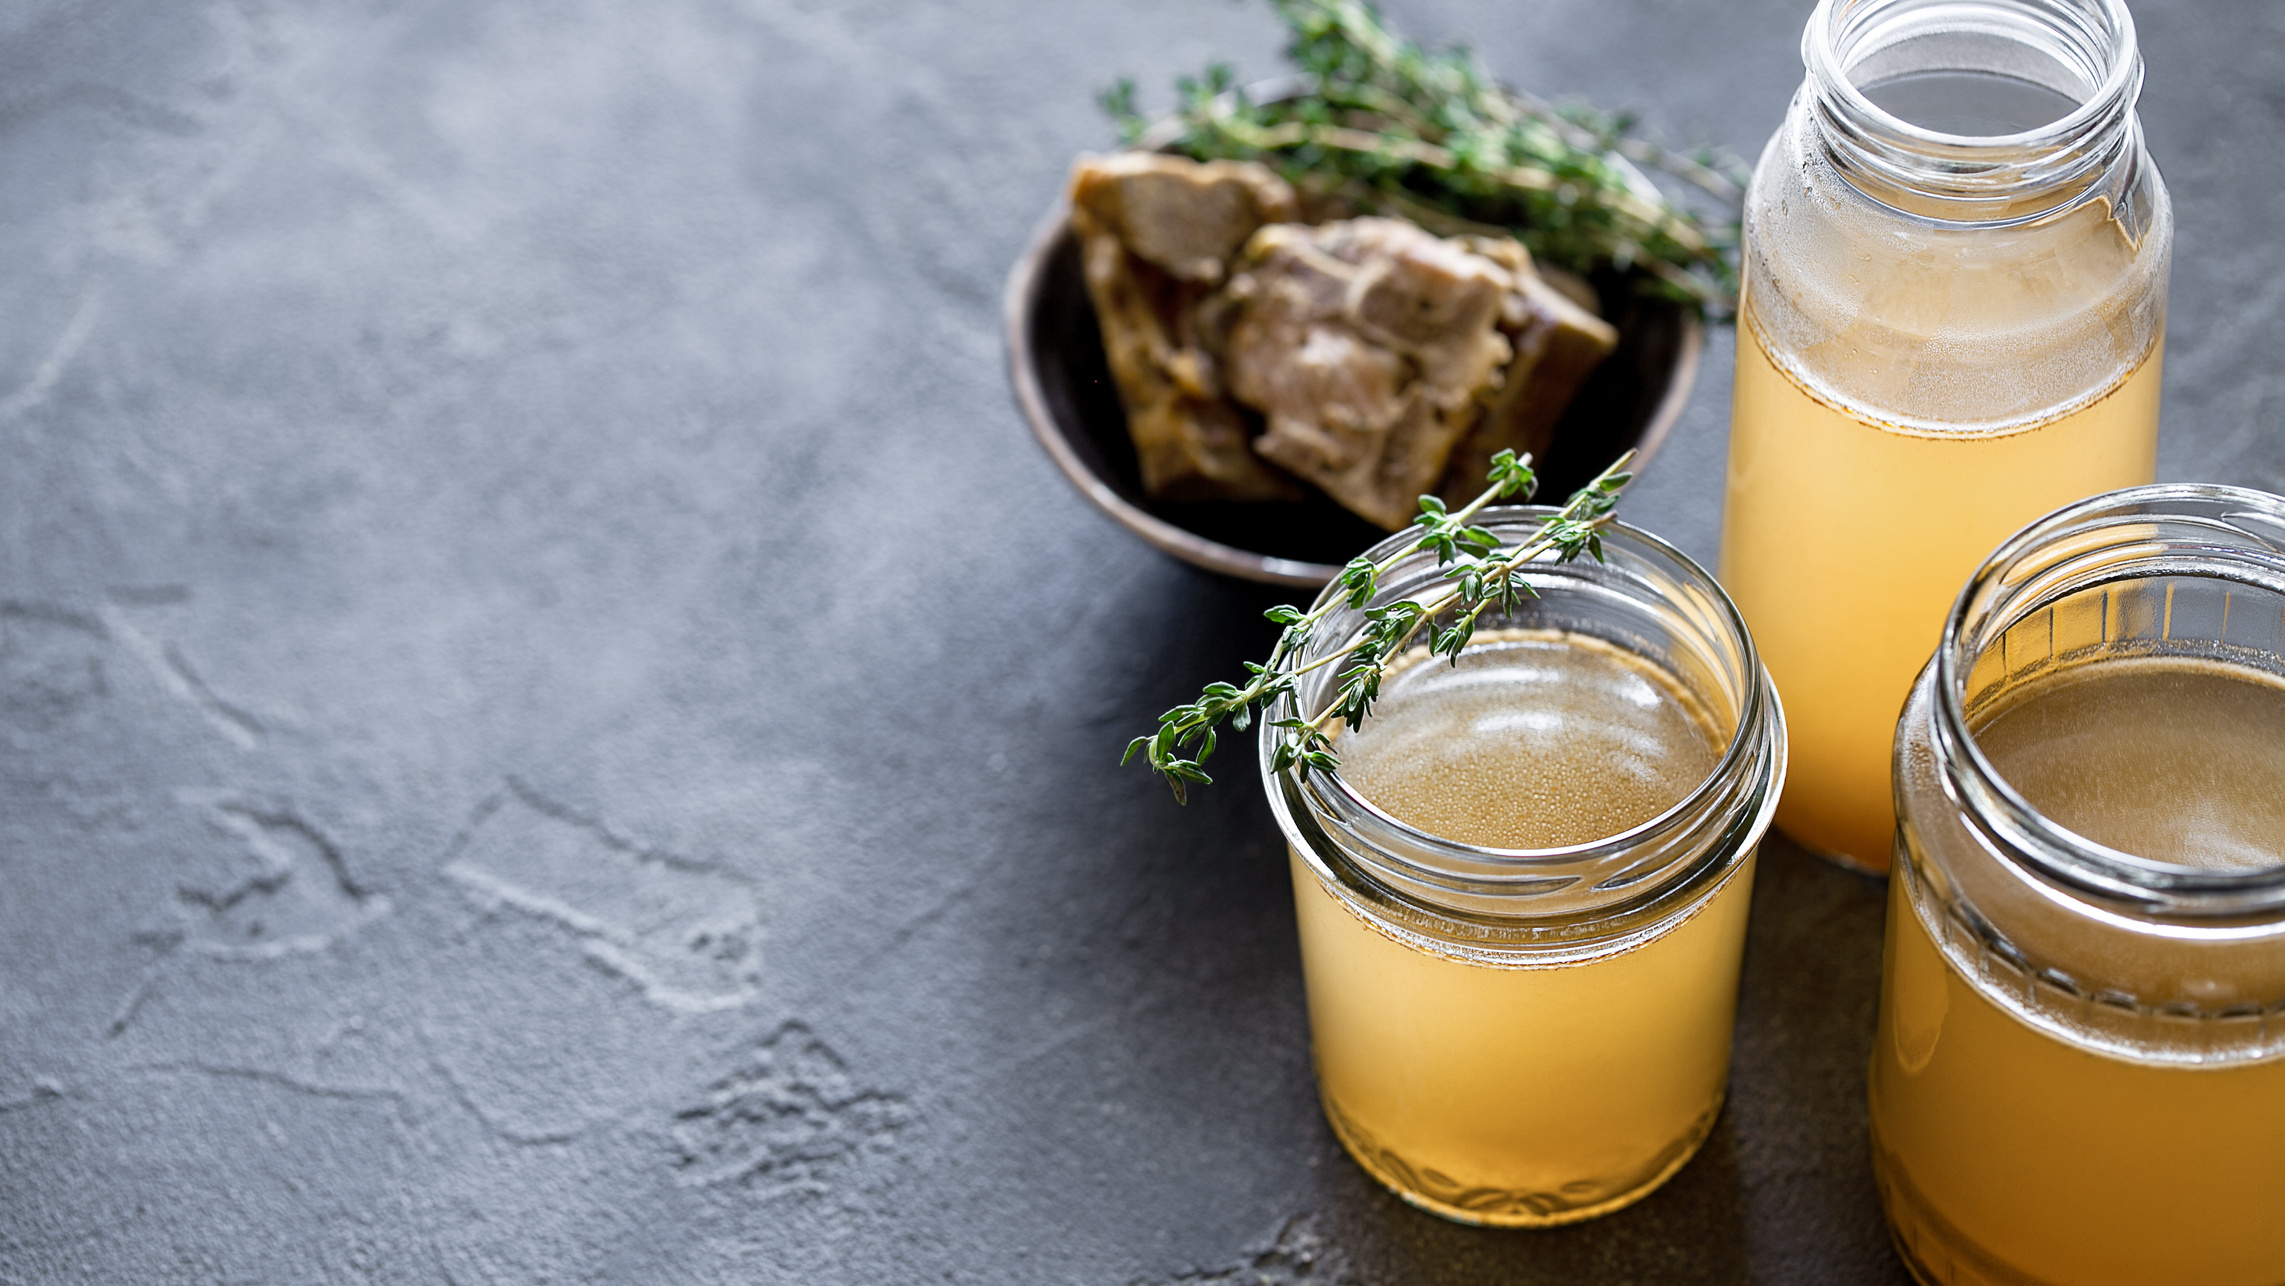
2082	50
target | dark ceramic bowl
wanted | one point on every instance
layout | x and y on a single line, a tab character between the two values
1063	384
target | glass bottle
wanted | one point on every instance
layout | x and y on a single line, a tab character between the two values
1534	1036
2079	1071
1955	287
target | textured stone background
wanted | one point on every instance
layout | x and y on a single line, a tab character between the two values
555	727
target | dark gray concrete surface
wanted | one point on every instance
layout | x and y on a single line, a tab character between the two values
555	727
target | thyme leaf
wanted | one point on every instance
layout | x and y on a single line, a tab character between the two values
1388	126
1480	574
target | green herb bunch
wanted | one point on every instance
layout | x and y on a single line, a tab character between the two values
1383	125
1480	574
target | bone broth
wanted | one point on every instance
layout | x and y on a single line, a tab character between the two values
1548	1092
2008	1156
1846	538
1534	740
2175	759
2079	1072
1522	895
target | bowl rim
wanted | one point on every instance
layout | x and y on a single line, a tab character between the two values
1018	302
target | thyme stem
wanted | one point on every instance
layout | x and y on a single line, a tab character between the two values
1481	573
1384	125
1506	566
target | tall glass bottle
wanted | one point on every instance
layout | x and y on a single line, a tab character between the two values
1953	315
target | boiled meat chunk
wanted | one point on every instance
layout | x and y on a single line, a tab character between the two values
1386	361
1154	232
1557	344
1369	345
1181	216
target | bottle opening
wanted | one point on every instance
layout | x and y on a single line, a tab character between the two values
1970	104
1974	111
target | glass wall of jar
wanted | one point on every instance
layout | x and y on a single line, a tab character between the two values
1522	897
2079	1073
1955	288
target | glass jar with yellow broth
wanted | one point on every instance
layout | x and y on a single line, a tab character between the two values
1522	897
2079	1071
1952	321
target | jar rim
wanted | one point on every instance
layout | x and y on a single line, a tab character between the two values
1602	881
2010	586
1632	837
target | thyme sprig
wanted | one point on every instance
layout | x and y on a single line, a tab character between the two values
1393	127
1480	574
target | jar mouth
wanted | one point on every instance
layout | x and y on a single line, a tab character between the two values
2187	531
1644	861
1587	851
2084	50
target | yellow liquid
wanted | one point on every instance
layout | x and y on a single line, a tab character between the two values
2008	1154
1524	1095
1845	540
2172	758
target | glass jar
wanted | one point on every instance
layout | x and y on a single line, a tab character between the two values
2079	1073
1947	328
1526	1037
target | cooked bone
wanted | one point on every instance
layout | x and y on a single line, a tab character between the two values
1186	217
